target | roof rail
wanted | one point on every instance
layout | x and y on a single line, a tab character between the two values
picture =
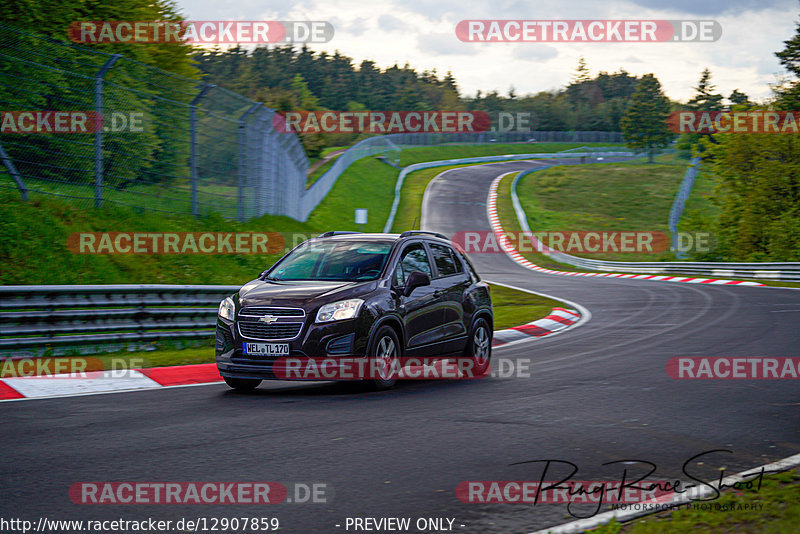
408	233
329	234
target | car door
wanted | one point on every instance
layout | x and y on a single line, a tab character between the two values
450	282
420	311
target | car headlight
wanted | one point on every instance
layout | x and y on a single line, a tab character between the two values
337	311
226	309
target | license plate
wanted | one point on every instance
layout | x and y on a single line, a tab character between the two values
266	349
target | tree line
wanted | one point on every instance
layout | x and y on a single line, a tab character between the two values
757	176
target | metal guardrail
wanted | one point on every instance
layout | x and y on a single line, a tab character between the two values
786	271
486	159
390	145
67	319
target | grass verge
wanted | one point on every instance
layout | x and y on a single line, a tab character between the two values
33	245
510	224
410	206
774	508
604	197
409	210
33	235
513	307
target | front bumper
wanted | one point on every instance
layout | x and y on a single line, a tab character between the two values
344	340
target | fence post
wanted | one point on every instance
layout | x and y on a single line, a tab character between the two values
679	203
12	170
193	134
261	147
98	134
242	126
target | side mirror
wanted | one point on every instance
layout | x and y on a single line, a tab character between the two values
416	279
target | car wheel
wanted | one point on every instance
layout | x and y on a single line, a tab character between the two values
479	347
242	384
386	352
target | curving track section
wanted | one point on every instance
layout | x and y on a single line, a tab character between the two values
597	393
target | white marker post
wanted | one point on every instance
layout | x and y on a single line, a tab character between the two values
361	217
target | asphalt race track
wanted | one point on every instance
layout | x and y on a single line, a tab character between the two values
597	393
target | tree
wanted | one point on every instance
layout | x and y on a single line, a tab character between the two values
645	123
706	99
758	183
758	192
52	17
581	72
306	100
789	92
738	98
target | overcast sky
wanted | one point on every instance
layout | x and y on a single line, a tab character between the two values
422	33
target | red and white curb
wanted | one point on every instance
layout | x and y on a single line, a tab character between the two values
558	320
508	248
96	382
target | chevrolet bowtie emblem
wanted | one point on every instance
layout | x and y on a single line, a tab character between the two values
268	319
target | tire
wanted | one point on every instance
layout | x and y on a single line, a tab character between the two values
479	347
386	347
242	384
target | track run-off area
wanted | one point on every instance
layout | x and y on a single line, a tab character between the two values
595	393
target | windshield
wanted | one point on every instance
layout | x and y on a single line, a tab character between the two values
342	261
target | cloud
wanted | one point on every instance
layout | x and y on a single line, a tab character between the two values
444	44
715	7
633	59
390	23
534	51
354	27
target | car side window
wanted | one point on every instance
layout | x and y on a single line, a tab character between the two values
443	256
413	259
462	260
457	261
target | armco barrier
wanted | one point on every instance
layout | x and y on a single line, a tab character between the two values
81	317
489	159
786	271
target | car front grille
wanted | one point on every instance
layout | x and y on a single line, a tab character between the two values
269	332
269	310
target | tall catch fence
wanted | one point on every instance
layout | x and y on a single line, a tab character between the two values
158	141
151	139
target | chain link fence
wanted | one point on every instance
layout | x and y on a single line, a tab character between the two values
154	140
159	141
534	136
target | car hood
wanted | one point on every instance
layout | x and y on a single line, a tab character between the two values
297	293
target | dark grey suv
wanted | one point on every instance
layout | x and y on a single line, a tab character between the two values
353	306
